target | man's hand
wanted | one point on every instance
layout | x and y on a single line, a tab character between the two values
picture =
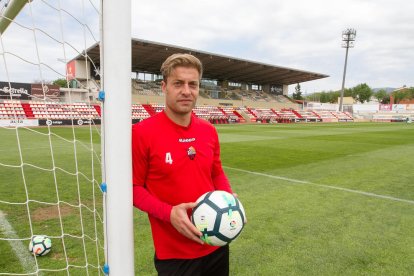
181	222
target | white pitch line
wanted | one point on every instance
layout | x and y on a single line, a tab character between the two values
324	186
21	251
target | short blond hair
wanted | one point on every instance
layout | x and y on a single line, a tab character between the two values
184	60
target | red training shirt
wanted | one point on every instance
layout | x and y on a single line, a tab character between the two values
173	164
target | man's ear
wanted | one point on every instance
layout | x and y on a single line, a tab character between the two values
163	86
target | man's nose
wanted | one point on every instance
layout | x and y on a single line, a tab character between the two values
186	89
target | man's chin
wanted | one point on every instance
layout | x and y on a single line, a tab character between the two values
184	111
185	108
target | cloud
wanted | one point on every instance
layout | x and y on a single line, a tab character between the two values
300	34
43	36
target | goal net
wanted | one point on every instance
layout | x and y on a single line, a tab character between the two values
54	169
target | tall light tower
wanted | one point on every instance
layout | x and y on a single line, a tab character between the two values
348	38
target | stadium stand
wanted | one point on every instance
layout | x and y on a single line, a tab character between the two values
392	116
287	116
146	88
327	116
139	112
285	99
12	110
157	107
16	109
264	115
307	116
54	110
343	116
232	114
211	113
251	117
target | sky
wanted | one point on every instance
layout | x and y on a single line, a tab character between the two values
299	34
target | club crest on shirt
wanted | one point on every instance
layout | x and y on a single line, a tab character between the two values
191	152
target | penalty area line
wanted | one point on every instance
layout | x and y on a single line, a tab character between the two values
323	186
22	252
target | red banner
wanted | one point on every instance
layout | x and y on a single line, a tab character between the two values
70	70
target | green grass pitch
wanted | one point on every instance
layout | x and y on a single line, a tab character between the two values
321	199
27	159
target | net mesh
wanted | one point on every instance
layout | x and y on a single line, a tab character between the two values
50	162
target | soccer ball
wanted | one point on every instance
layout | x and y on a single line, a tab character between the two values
40	245
219	216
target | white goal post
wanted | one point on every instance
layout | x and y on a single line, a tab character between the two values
116	38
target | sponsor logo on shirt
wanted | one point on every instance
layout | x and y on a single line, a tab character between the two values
186	140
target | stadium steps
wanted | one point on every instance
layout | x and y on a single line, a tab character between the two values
241	118
316	114
98	109
149	109
348	115
333	114
249	117
297	114
222	111
27	110
274	112
251	112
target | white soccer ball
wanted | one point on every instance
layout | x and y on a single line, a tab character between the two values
40	245
219	216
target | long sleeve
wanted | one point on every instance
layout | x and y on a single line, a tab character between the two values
222	183
142	198
146	202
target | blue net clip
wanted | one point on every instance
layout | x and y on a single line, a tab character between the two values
101	95
106	269
103	187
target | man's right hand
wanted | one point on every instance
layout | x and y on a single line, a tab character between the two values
181	222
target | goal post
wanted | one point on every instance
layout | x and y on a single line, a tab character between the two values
116	129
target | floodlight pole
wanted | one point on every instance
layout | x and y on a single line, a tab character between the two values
348	38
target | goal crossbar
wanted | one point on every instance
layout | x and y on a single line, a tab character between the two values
10	12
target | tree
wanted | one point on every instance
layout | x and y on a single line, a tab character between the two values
61	82
381	95
324	97
334	95
398	96
410	93
297	95
403	94
386	99
362	93
348	92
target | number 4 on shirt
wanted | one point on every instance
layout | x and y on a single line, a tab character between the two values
168	158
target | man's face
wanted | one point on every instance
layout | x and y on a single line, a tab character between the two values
181	90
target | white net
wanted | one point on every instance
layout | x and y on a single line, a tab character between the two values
50	164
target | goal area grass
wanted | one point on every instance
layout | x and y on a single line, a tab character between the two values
320	199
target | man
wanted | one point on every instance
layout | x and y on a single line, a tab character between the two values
176	159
